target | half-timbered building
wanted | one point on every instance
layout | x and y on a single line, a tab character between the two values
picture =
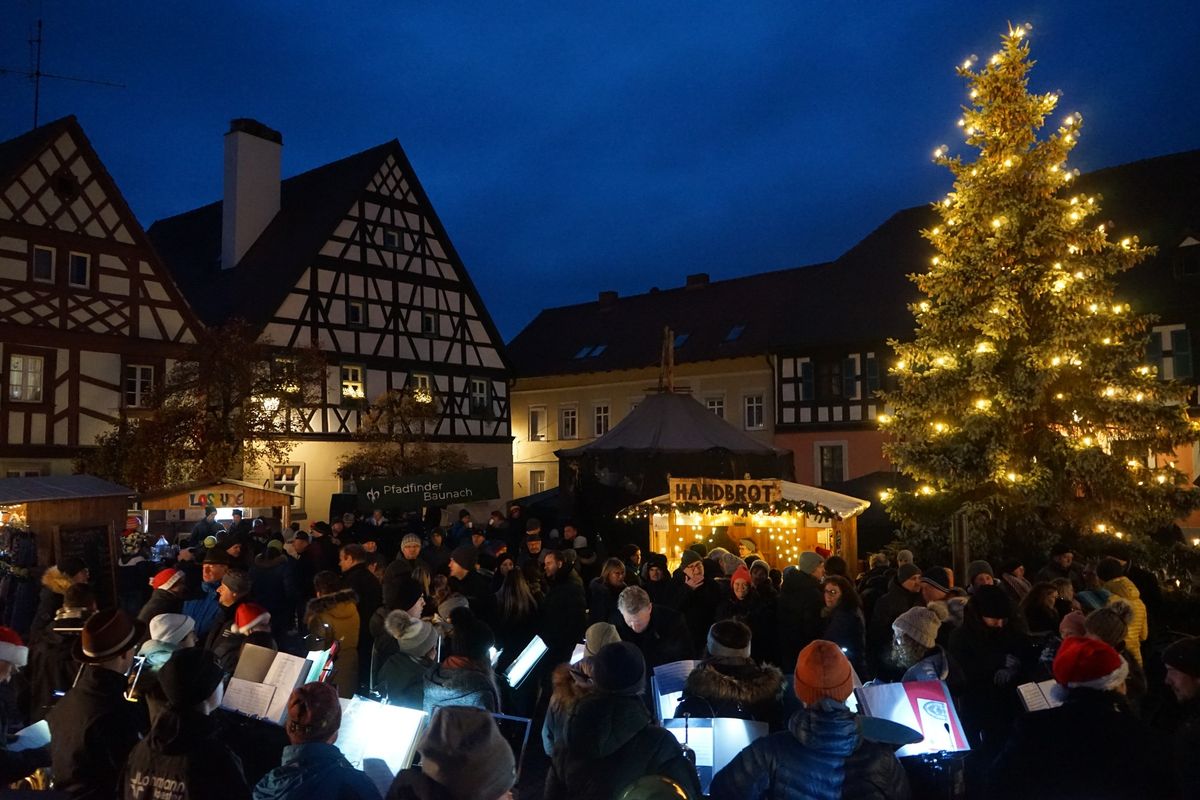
351	257
90	320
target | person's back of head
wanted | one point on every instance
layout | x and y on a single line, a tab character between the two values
327	582
1109	568
470	637
729	638
822	673
464	752
314	714
79	595
619	669
904	557
1110	623
192	680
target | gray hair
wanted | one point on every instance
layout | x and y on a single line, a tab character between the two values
904	557
633	600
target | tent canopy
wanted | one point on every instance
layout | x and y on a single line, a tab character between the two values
58	487
842	506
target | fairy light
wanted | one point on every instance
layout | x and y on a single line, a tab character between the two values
983	404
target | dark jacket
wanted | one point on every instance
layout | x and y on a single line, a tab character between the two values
184	758
370	595
664	640
161	601
92	731
879	631
602	600
734	687
315	770
397	676
610	742
412	784
798	613
228	647
477	588
1186	740
16	764
438	558
394	575
698	606
822	756
988	703
466	685
275	589
564	614
52	667
845	628
50	600
1090	747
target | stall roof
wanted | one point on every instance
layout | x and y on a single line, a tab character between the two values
253	494
843	505
58	487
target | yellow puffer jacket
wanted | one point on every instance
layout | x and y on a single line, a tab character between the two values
1138	630
340	612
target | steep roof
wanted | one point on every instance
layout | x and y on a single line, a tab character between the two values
15	153
310	206
59	487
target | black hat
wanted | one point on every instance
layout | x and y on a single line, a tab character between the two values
533	523
936	577
217	555
302	536
1184	655
1109	568
619	669
992	602
237	511
1060	549
189	677
71	565
106	634
465	555
469	636
729	638
402	592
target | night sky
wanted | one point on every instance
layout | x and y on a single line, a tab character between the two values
571	148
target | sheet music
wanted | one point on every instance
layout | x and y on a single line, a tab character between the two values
519	668
285	674
31	738
1037	696
577	654
374	731
248	697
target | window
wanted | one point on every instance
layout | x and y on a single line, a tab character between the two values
568	423
391	240
1174	363
735	333
681	339
289	478
24	473
537	481
872	375
79	269
25	378
754	411
139	383
807	384
600	419
429	325
716	405
356	312
354	383
590	351
537	424
481	402
829	380
43	264
831	463
1181	354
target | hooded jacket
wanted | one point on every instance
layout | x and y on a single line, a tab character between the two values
315	770
1138	629
397	676
334	617
463	684
566	692
52	667
798	614
50	600
734	687
183	758
610	743
274	581
92	730
821	756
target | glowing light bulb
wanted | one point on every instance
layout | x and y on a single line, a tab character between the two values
1058	396
1008	162
1126	243
1139	397
883	419
974	93
926	490
935	261
984	347
961	122
1101	528
922	307
1074	215
1094	308
1056	361
939	427
1012	477
997	222
1143	370
1087	441
1079	275
1118	308
995	59
901	364
1059	285
1106	340
1110	391
983	404
1161	479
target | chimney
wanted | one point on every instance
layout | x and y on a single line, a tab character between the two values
252	152
697	280
608	298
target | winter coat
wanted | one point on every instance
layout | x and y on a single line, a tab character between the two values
275	589
611	742
438	558
412	784
602	600
564	614
664	640
478	590
16	764
204	610
879	631
315	770
397	676
935	666
743	611
821	756
50	600
466	684
338	611
394	575
798	615
698	606
184	758
1090	747
846	628
92	731
1138	629
52	667
1186	741
1052	572
730	686
566	692
161	601
985	706
228	647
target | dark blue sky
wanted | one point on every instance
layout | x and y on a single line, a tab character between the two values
570	147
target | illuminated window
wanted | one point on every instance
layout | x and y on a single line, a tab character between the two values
537	481
354	382
139	383
43	264
25	378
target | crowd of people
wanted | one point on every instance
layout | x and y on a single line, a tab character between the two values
433	624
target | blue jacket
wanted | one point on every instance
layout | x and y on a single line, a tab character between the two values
822	756
204	610
316	771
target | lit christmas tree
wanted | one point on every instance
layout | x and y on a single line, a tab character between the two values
1025	399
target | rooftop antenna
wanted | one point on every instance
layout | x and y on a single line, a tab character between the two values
666	374
36	74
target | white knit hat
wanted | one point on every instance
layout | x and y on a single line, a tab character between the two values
920	624
171	628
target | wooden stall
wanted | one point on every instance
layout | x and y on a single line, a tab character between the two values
252	498
783	519
71	515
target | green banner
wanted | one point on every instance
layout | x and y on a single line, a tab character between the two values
414	491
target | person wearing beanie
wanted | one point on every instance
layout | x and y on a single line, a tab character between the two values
659	631
463	757
168	633
728	682
987	647
401	657
1120	586
332	616
822	753
1182	662
312	765
741	601
55	582
403	566
207	526
436	554
233	590
251	625
93	727
168	587
611	739
800	607
466	580
1111	626
15	764
695	594
273	575
843	617
903	593
52	666
979	573
464	677
186	747
1061	565
1049	755
917	651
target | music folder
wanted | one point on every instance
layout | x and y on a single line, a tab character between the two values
666	683
714	741
923	706
263	681
524	663
373	732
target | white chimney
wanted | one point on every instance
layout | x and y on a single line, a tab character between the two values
252	155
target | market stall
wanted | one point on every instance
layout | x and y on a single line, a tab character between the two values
781	518
225	494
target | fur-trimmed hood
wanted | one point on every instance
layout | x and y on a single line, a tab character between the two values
566	689
56	581
737	680
323	605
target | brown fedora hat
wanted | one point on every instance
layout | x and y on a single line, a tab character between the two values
106	634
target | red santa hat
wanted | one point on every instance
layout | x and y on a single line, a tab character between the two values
248	617
12	649
166	578
1089	664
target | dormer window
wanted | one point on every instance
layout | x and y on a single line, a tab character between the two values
590	350
735	333
681	339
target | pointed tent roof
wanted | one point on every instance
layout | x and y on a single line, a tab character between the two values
669	422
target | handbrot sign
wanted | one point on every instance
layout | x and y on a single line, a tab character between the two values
719	492
442	489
